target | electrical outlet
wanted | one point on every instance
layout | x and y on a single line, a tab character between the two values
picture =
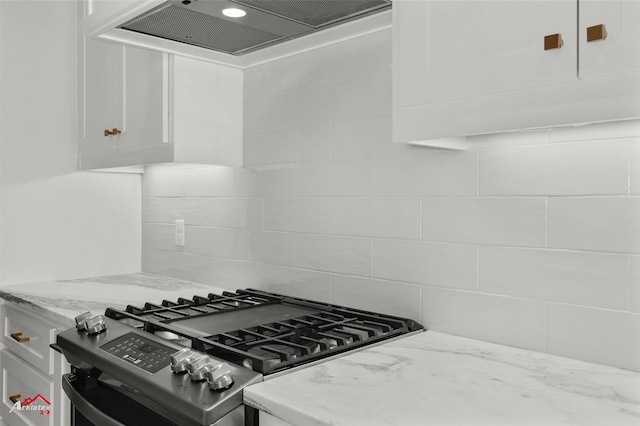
180	232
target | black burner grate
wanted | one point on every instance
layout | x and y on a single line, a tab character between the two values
265	331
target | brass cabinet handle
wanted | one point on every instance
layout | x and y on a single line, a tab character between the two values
113	131
17	337
553	41
597	32
15	398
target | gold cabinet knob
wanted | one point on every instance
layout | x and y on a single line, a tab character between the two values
113	131
597	32
18	337
15	398
553	41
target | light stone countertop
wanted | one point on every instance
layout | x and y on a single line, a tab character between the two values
62	301
425	379
438	379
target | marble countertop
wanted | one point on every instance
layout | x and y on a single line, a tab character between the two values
62	301
425	379
438	379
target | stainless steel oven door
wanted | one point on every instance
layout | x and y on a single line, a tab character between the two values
95	404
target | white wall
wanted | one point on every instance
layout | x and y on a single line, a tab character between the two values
56	223
530	240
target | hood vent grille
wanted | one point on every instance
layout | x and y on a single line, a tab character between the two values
314	13
186	26
201	23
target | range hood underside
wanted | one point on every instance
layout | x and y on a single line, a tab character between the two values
268	22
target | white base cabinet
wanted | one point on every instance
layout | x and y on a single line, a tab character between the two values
473	67
140	106
30	370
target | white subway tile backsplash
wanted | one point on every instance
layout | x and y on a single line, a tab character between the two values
634	167
388	297
308	215
297	143
596	131
435	264
252	83
273	248
194	211
204	241
314	141
376	217
607	224
158	236
270	113
364	137
280	145
345	255
210	182
235	273
252	148
493	221
154	210
361	56
164	182
311	285
498	319
597	335
243	213
581	278
349	99
265	181
634	284
382	94
589	168
432	173
334	178
297	72
207	241
178	265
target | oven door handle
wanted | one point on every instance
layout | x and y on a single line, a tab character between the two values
93	414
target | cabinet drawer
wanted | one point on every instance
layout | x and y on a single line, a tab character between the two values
20	378
23	326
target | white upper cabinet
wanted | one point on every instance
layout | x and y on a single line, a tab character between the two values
619	52
139	106
462	49
474	67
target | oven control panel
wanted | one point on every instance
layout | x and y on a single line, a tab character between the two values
143	353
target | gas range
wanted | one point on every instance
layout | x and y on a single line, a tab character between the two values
187	361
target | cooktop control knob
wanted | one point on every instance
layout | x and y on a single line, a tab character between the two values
198	367
95	325
219	377
80	320
180	360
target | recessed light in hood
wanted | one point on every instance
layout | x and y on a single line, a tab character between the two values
203	23
233	12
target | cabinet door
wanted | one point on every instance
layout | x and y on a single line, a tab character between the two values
619	52
447	50
143	113
207	112
29	338
100	92
19	378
